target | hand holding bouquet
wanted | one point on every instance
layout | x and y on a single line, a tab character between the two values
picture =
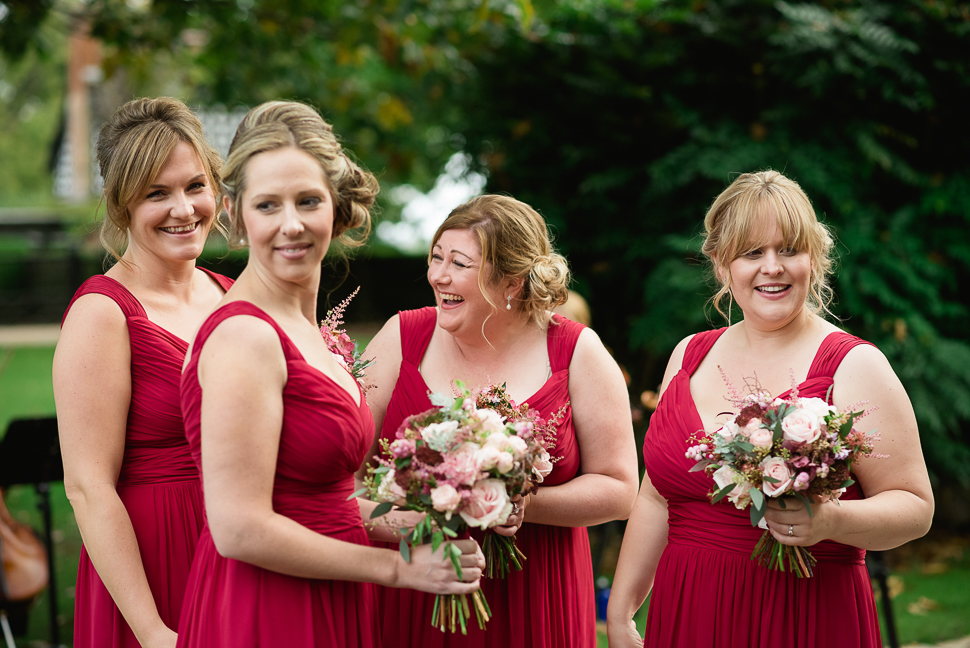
459	465
792	447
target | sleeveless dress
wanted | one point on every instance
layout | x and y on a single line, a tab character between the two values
324	438
551	601
707	591
158	483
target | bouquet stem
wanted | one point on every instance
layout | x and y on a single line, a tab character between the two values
451	611
501	555
772	554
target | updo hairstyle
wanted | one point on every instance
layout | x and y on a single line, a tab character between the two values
280	124
515	243
132	147
736	220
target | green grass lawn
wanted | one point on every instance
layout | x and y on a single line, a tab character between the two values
930	585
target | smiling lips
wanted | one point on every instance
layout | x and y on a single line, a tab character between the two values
772	289
181	229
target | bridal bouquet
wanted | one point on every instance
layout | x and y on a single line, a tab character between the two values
341	345
501	554
774	447
459	465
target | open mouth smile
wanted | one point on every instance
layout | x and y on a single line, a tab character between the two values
451	300
773	289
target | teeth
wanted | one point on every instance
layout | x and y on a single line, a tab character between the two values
772	289
182	228
448	297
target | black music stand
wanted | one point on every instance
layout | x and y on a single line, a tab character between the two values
31	454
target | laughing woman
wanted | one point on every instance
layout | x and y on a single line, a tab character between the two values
771	256
496	280
127	468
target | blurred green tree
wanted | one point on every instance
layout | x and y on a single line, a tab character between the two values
620	120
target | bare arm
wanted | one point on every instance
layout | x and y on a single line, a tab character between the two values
643	543
242	415
899	501
92	392
606	488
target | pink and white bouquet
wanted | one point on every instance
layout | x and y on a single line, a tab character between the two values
460	465
501	554
341	345
774	447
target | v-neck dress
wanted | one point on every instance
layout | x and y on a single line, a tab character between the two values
707	590
550	603
324	436
158	483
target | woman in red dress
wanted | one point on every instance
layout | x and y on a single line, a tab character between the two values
277	426
772	258
127	468
496	280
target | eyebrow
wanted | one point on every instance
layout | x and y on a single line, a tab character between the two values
467	256
191	180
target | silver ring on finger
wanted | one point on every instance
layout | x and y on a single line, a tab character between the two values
791	530
515	508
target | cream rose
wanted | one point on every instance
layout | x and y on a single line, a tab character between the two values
445	498
491	421
389	490
488	504
517	446
728	431
497	440
487	457
504	462
542	466
816	406
801	426
726	475
776	468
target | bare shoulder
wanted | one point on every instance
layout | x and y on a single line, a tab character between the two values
94	311
257	336
387	342
675	362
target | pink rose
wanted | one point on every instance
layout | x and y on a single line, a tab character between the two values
801	427
488	504
445	498
461	467
760	437
777	469
542	466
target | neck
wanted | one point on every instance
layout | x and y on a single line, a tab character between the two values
154	274
496	337
805	323
279	297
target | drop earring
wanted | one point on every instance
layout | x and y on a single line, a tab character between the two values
508	302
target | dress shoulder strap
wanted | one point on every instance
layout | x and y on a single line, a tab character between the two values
563	336
831	352
223	281
698	347
232	309
105	285
417	327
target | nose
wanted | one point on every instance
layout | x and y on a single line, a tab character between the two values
772	264
437	273
292	223
184	207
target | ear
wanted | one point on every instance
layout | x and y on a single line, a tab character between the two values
227	205
514	286
719	271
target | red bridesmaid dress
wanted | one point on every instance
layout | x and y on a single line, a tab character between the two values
158	483
324	438
550	603
707	591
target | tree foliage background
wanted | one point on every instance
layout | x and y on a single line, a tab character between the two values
620	120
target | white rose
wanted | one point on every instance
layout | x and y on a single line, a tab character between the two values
504	462
389	491
517	445
491	421
488	456
497	440
816	406
728	431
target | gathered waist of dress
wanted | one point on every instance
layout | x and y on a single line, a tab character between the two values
722	527
155	465
323	508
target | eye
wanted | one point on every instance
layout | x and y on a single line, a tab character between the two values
752	254
435	256
311	201
196	186
158	193
789	251
265	206
459	264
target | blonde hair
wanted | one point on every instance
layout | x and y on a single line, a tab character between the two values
515	242
132	148
280	124
736	219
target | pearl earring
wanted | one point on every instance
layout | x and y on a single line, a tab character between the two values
508	302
